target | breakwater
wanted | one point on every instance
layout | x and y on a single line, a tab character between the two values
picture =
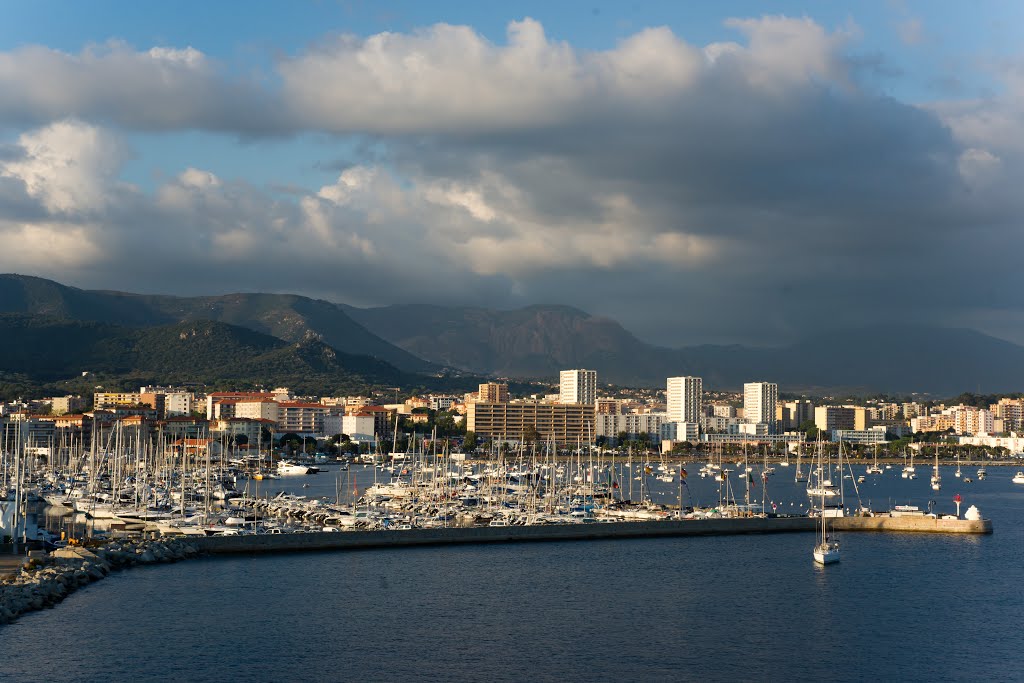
572	532
917	524
43	582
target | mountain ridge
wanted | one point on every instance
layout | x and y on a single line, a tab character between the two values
539	340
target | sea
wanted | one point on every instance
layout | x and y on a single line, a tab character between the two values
898	607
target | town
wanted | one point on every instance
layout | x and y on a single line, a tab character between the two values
682	417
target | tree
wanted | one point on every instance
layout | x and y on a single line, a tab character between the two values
809	429
469	442
530	434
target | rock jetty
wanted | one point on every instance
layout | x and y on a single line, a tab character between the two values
44	581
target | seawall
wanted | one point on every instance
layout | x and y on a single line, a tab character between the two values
354	540
914	524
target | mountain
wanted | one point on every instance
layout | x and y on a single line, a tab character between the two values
46	349
537	341
285	316
531	342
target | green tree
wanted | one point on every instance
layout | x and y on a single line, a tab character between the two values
469	442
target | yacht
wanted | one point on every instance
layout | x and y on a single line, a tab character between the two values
1018	478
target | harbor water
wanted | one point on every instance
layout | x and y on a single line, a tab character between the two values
898	607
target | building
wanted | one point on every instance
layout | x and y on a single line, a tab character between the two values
796	413
303	419
1014	444
103	400
684	396
578	386
869	436
222	403
722	410
562	423
62	405
442	403
759	400
830	418
1010	411
610	406
178	403
235	427
257	410
492	392
680	431
610	425
970	420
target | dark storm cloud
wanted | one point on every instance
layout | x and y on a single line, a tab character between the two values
729	192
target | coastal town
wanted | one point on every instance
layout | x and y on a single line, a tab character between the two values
582	412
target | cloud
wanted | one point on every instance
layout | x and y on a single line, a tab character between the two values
733	191
67	166
162	88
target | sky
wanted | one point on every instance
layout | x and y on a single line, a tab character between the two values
728	172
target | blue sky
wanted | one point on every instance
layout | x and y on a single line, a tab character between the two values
753	160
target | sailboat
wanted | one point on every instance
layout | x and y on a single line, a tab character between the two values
799	475
909	471
875	469
936	477
957	473
826	551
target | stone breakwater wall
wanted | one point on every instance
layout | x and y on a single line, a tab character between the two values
356	540
43	582
914	524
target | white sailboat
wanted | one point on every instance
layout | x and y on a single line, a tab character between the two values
799	475
875	469
936	477
826	550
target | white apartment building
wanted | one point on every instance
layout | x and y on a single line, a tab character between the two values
610	425
578	387
684	396
680	431
759	401
257	410
179	403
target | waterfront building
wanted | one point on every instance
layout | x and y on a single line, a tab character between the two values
684	398
1014	444
562	423
235	427
578	387
759	401
303	419
870	436
791	439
